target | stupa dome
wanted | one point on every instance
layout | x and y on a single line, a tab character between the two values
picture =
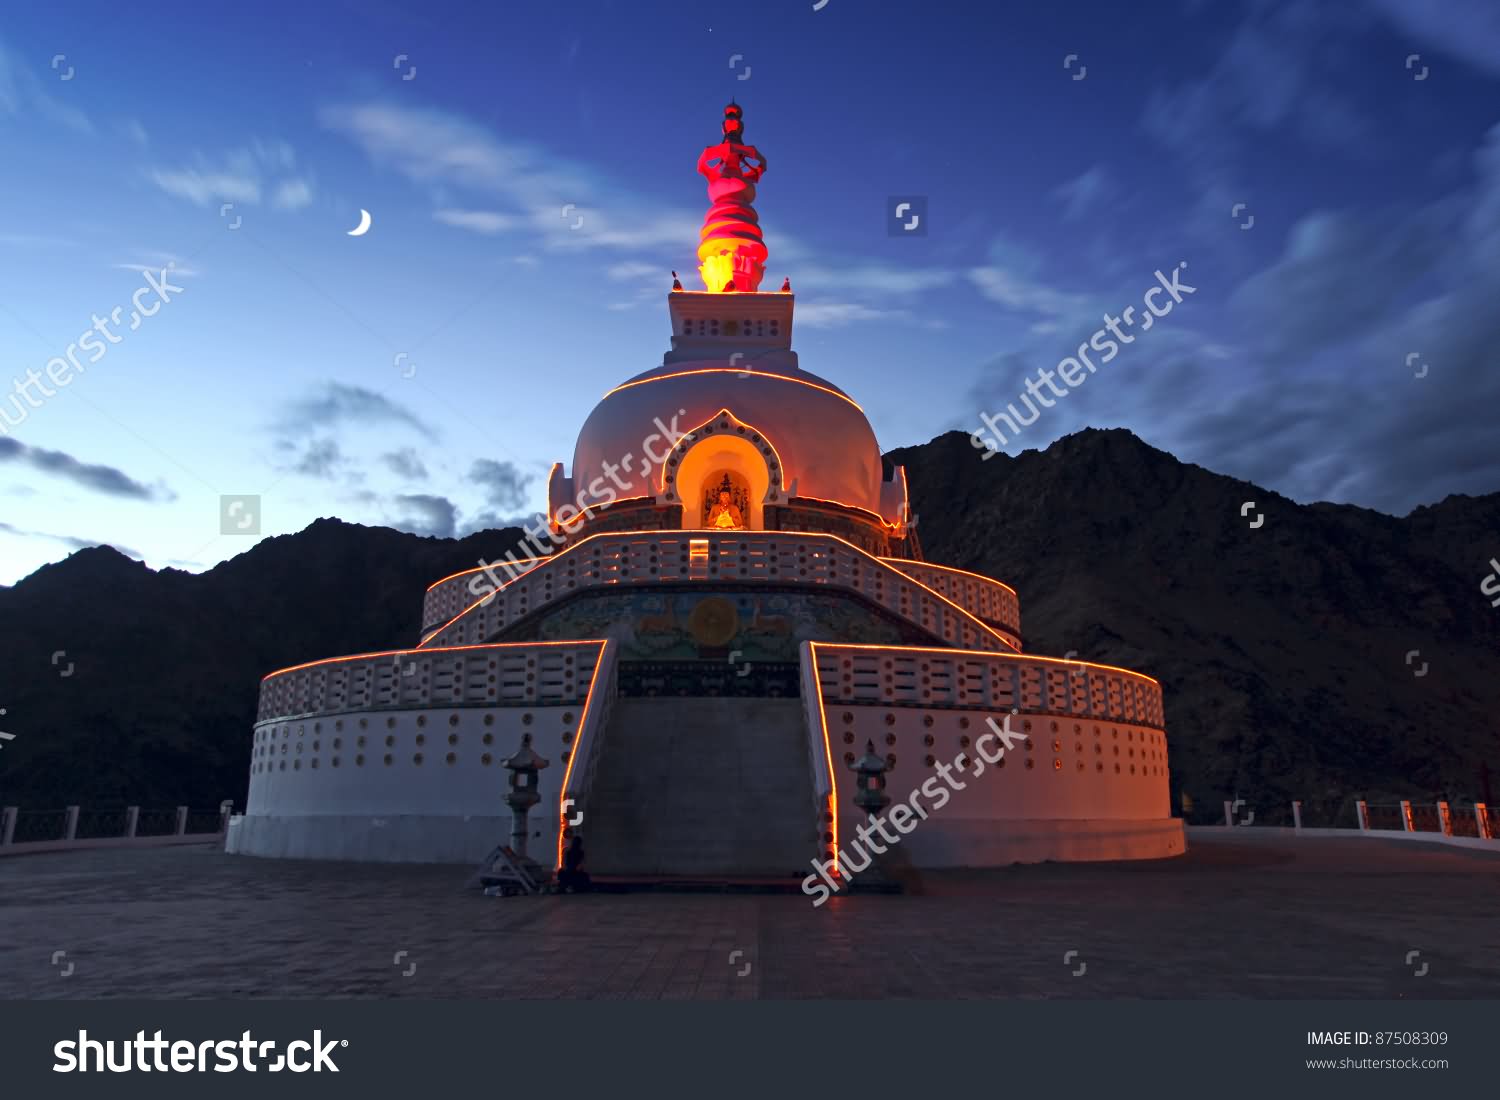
822	442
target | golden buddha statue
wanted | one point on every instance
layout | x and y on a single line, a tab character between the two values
724	514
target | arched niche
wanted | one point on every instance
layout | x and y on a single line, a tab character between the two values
705	465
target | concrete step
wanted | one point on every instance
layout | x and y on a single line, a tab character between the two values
704	787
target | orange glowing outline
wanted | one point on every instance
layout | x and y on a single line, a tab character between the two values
948	569
419	650
780	465
876	516
743	372
833	783
702	532
988	653
550	475
583	717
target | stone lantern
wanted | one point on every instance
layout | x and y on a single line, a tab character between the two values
524	767
870	771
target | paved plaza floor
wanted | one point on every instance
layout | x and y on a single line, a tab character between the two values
1240	916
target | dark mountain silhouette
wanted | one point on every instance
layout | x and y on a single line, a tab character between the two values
1282	649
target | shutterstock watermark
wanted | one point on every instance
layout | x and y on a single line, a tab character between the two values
1490	586
143	1055
60	369
908	813
599	494
1075	369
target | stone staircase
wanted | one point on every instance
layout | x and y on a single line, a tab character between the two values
702	788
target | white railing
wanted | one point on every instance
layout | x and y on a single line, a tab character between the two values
449	596
75	827
738	557
982	597
995	682
1406	818
514	674
588	746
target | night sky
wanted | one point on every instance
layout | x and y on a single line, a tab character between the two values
1329	172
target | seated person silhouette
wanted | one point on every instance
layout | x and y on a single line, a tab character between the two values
724	513
572	876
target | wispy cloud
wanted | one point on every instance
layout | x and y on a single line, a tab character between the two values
1086	192
405	463
837	314
321	459
67	540
488	222
634	269
566	204
133	130
23	94
1026	295
96	478
504	483
334	404
158	260
425	514
243	175
35	240
292	194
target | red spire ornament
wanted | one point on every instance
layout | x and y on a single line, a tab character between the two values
731	253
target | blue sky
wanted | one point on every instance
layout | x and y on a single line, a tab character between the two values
1342	347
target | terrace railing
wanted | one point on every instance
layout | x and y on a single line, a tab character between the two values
73	825
520	673
996	682
1439	818
734	557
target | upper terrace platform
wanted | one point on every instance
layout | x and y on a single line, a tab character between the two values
968	610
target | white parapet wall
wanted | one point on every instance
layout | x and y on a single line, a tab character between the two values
423	786
1086	777
346	764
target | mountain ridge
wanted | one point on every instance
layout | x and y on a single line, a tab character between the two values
1282	648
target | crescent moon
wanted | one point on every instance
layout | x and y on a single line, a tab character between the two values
364	225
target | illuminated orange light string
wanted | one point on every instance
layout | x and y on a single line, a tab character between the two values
833	783
418	651
943	651
780	465
896	563
978	623
739	371
583	717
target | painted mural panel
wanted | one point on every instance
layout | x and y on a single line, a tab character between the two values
675	626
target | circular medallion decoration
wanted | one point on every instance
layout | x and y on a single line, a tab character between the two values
714	622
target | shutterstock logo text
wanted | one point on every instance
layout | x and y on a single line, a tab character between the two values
85	1055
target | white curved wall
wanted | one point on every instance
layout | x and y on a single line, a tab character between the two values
1090	780
424	785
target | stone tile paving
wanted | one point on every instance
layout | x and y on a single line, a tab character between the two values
1243	915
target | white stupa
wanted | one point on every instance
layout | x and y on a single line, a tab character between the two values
732	607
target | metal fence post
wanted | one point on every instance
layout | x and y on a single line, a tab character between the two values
1482	819
1296	814
1362	811
182	812
1228	813
132	819
70	826
1445	821
1406	822
8	825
